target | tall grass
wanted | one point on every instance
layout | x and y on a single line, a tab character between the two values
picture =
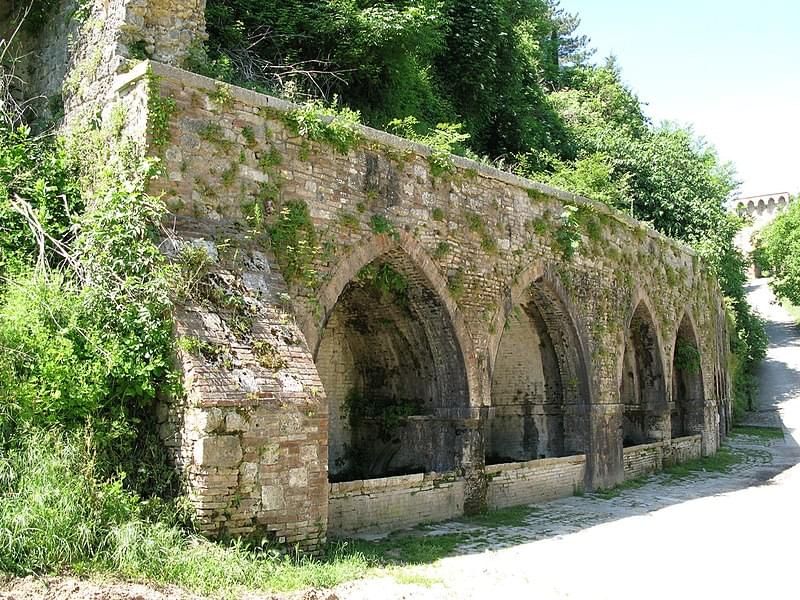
56	516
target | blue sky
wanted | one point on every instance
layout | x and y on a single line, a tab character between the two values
728	68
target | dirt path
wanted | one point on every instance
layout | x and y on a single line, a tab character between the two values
716	535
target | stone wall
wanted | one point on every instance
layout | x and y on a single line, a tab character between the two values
43	55
391	503
251	434
683	450
68	61
642	460
515	484
279	326
476	247
647	459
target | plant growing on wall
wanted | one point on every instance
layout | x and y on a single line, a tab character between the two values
687	357
295	243
567	237
386	280
389	414
444	140
333	125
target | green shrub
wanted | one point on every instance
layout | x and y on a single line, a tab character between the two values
294	241
444	139
330	124
85	332
38	170
779	252
58	512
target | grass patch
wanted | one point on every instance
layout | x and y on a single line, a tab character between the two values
409	549
504	517
412	578
226	570
622	487
721	462
794	311
58	515
765	433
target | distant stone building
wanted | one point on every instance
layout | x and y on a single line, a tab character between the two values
762	210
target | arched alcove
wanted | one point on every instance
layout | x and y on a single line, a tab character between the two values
540	386
642	390
393	372
686	415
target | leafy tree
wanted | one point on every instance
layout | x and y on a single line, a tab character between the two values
681	185
376	55
486	64
38	171
779	245
493	70
565	50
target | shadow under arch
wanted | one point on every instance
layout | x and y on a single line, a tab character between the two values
641	377
390	351
540	380
688	393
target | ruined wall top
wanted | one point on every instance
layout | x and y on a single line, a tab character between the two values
69	57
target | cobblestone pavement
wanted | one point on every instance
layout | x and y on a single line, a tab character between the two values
710	534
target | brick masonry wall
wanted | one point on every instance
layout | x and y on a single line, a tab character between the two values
216	174
518	395
393	502
535	481
337	372
69	62
644	459
682	450
251	435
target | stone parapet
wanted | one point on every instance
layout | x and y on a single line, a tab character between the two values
534	481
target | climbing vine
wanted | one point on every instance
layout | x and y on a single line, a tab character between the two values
386	280
388	414
567	237
687	357
444	140
160	113
295	243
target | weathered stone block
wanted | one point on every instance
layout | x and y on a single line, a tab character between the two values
235	422
272	497
218	451
298	477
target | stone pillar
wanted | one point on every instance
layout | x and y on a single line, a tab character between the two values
470	439
164	30
75	55
710	434
604	466
251	433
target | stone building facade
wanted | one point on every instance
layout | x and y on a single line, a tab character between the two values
374	336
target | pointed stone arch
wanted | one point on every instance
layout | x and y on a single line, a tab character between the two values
642	387
540	383
390	352
688	394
